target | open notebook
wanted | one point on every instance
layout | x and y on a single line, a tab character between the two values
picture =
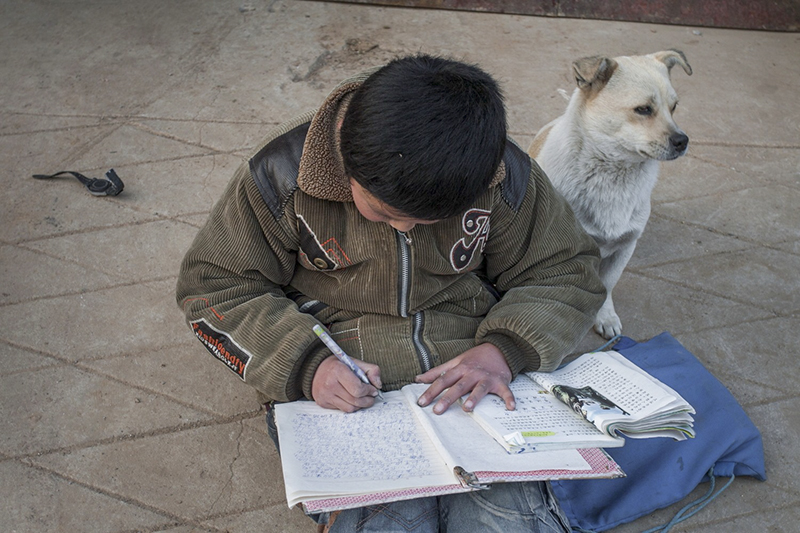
397	450
590	402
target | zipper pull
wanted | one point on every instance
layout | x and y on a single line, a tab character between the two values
406	237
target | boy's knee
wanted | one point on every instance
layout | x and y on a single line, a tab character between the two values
505	507
420	515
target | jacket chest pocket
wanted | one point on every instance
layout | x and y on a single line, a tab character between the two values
316	254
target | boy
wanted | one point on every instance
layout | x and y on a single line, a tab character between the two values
431	248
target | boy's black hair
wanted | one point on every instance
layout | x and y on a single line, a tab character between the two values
425	135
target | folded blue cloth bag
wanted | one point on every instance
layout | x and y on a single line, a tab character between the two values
661	472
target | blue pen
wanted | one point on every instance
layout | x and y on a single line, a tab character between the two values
341	356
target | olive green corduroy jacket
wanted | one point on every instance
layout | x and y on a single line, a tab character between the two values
285	248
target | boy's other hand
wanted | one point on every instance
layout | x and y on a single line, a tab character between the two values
336	387
479	371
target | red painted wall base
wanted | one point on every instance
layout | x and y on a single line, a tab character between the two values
777	15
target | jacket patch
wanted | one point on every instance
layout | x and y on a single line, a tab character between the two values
475	224
327	255
275	168
518	171
222	347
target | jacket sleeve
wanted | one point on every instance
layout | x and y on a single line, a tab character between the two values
229	287
545	266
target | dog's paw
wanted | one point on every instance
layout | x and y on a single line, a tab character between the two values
607	323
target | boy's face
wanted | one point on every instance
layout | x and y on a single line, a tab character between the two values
376	211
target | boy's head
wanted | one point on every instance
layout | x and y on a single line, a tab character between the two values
424	136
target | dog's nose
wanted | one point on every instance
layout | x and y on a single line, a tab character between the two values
679	141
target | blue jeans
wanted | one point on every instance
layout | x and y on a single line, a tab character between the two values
505	508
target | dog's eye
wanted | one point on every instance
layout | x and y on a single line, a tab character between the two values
644	110
674	107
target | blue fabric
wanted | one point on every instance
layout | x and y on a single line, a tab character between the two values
662	471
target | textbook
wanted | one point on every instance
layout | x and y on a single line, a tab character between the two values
590	402
396	450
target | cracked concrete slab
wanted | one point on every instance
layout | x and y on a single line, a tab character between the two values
35	209
676	308
42	501
227	467
156	245
763	351
762	213
184	372
666	240
276	519
178	186
743	276
94	324
61	407
39	268
14	359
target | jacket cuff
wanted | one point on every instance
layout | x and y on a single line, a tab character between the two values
316	354
519	355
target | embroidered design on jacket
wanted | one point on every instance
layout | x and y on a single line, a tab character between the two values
475	224
326	255
223	347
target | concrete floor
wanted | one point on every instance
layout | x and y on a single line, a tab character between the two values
115	419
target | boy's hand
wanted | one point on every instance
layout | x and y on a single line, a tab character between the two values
336	387
479	371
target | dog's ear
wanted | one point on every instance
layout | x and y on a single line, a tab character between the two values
673	57
592	73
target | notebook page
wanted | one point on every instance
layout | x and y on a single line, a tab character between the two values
327	452
471	448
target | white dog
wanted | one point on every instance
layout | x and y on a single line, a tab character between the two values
603	154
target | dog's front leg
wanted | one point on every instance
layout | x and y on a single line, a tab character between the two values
607	322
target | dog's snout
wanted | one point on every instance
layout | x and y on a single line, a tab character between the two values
679	142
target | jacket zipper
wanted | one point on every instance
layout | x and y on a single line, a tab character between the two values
404	243
422	350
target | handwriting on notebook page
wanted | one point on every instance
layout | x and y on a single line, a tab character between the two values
384	430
